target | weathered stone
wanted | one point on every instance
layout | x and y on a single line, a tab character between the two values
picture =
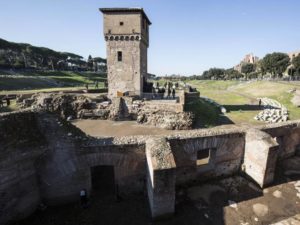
260	158
260	210
161	177
167	120
277	194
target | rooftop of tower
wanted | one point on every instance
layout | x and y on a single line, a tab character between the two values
136	9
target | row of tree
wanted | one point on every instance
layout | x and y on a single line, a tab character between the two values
273	65
26	56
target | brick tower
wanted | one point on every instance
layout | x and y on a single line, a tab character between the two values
126	32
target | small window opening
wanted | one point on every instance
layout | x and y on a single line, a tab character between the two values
119	56
203	156
121	23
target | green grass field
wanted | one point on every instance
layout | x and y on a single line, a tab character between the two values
50	79
241	97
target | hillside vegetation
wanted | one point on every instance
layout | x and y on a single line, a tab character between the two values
25	56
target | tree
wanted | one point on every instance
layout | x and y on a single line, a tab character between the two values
275	63
233	74
247	68
296	64
90	63
214	73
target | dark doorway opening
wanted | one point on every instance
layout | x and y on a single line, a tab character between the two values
103	180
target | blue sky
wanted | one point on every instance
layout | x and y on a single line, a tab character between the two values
186	37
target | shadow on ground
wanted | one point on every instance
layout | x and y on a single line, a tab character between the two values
245	107
234	200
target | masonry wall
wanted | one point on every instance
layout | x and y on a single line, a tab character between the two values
287	136
49	161
45	159
225	156
20	142
125	75
132	21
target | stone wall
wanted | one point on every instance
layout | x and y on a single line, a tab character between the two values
20	147
125	75
224	157
47	160
287	135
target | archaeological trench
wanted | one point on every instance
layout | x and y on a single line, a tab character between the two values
45	159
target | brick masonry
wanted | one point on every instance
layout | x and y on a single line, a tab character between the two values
46	159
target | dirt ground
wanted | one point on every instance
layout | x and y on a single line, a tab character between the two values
107	128
229	201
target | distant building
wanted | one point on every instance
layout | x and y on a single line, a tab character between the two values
126	31
249	58
293	54
290	68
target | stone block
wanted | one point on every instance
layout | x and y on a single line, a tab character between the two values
261	152
161	177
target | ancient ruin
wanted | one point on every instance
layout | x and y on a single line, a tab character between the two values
47	161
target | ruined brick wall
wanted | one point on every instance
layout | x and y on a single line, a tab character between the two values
46	159
20	147
224	156
287	135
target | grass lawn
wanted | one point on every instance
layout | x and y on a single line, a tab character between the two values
48	79
206	115
12	92
240	97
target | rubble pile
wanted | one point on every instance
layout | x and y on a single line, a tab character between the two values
296	98
165	119
119	110
68	106
273	112
71	107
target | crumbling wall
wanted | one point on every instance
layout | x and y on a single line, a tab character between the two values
161	177
261	152
46	159
287	135
129	164
20	147
225	155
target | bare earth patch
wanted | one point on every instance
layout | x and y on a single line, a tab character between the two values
107	128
